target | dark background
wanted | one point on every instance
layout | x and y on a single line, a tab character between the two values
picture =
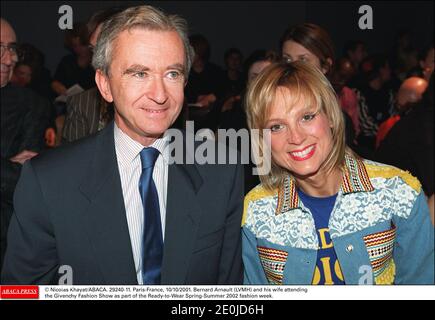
244	24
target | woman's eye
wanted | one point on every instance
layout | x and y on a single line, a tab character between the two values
287	59
276	127
308	117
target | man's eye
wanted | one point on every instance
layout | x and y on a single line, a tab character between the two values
139	74
175	75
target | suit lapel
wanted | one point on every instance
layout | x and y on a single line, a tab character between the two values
106	217
182	219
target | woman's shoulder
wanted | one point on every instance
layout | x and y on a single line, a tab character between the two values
259	192
386	172
259	196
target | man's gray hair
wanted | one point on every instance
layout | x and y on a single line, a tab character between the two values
145	17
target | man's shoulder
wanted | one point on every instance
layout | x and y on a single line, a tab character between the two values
69	157
20	97
18	92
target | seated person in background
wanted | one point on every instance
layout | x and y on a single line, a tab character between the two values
426	63
204	86
403	55
409	145
87	112
376	100
233	114
233	83
24	118
355	51
41	78
22	75
410	93
74	72
322	212
348	99
76	67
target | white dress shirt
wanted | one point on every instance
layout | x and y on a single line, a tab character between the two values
130	170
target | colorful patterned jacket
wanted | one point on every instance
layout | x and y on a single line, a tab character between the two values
380	228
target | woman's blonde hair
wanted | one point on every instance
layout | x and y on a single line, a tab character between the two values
302	81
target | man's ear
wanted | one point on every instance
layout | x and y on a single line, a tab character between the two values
103	85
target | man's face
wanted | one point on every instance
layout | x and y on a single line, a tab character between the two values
146	82
385	73
360	53
234	61
8	59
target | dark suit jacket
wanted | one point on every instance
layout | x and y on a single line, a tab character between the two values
69	210
24	117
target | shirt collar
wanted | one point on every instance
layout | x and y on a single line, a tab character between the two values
355	179
128	149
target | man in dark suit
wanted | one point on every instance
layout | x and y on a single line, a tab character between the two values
78	206
24	118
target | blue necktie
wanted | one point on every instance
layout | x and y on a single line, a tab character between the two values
152	247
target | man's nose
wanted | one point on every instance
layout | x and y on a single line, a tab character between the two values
157	90
8	57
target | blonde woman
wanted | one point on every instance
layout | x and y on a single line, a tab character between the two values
323	215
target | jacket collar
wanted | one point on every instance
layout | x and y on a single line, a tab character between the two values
355	179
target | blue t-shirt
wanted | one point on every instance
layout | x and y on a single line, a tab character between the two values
328	270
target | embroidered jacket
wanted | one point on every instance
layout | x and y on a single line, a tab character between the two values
380	228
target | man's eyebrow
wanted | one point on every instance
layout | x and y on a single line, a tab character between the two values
9	43
177	66
141	68
135	68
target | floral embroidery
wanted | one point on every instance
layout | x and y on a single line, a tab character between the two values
293	228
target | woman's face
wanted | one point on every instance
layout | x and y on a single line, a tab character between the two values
256	68
301	137
293	51
22	75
